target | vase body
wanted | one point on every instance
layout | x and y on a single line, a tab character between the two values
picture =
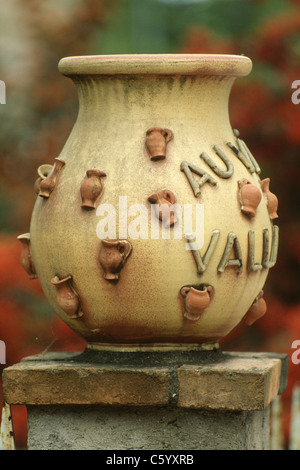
139	302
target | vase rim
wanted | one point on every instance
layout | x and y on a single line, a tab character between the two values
156	64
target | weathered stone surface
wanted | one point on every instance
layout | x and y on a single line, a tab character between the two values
64	383
144	401
145	428
236	384
220	381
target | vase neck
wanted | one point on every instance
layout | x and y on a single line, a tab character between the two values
155	99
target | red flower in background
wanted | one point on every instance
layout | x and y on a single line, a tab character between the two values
277	41
27	324
200	40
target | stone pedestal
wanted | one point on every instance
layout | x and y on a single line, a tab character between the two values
147	401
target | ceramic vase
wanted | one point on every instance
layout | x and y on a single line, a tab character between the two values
154	123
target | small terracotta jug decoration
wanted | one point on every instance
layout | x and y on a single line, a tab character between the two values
48	184
91	188
67	298
196	300
257	310
156	142
164	200
249	197
43	171
26	260
113	255
271	198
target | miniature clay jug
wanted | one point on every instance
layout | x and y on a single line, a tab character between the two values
250	197
91	188
156	142
272	199
196	301
154	123
257	310
113	256
164	200
43	172
67	298
26	259
48	184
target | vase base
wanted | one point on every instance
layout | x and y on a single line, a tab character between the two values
152	347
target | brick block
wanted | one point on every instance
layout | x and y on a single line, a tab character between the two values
237	383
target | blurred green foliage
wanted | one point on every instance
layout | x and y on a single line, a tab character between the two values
159	26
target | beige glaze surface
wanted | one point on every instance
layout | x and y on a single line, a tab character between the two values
120	98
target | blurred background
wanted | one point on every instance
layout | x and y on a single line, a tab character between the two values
41	108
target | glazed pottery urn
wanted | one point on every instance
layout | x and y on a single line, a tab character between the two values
153	229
